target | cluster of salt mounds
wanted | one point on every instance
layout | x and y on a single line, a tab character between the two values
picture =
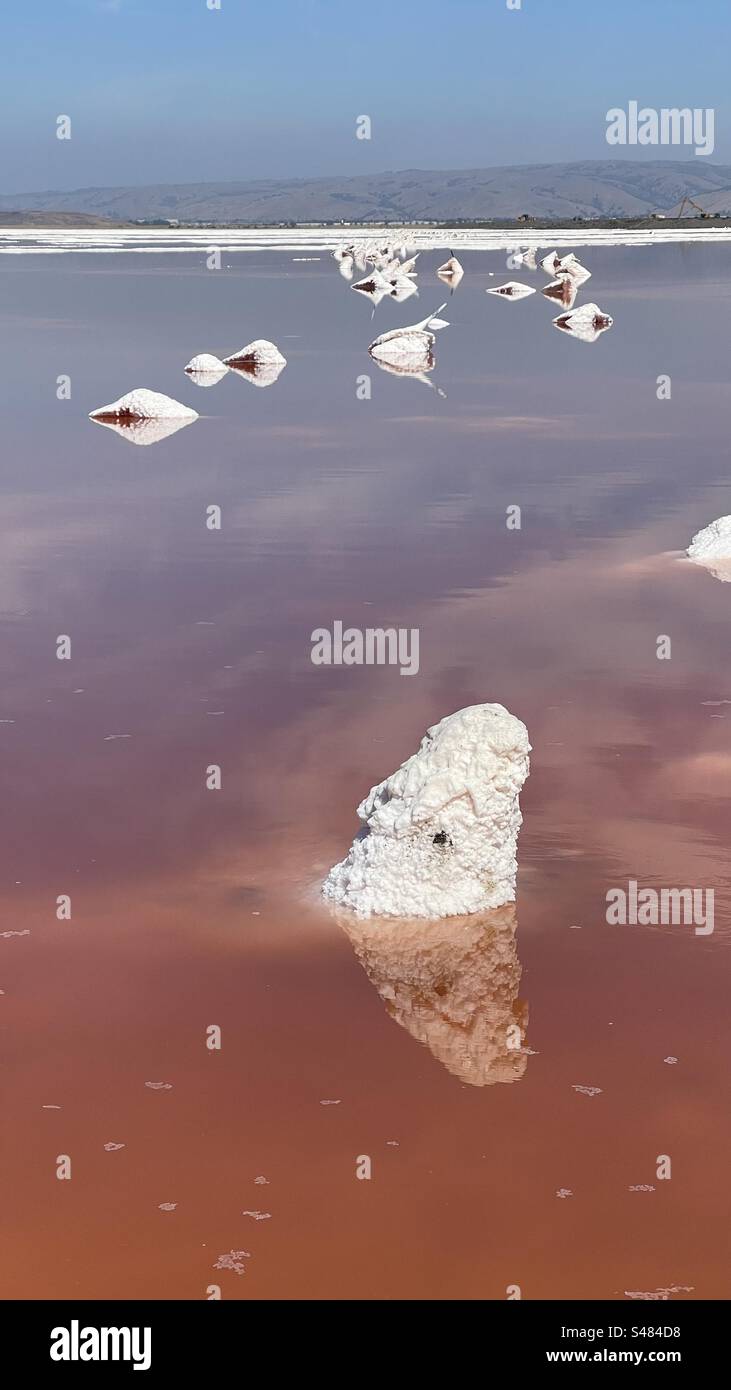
409	348
711	547
144	417
453	985
441	832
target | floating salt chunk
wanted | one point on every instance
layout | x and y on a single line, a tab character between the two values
402	289
512	290
586	323
551	262
142	404
451	272
409	346
343	253
453	985
526	256
159	1085
661	1295
570	265
7	934
671	1061
258	1215
564	290
588	1090
330	1102
564	1192
442	830
392	1143
167	1206
711	548
112	1148
641	1187
374	287
346	269
43	1107
260	353
261	1182
233	1261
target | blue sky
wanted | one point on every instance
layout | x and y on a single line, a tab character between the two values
170	91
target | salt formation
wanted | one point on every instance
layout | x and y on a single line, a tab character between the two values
454	987
418	373
452	271
259	373
144	417
205	369
410	346
586	323
142	404
258	354
711	547
512	290
441	832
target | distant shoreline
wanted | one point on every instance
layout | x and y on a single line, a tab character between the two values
22	221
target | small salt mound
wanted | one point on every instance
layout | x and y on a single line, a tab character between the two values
255	354
587	323
711	547
512	290
452	270
443	828
205	363
142	404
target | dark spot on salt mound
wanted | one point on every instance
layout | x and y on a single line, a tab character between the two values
441	838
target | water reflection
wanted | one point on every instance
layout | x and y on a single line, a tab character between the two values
453	985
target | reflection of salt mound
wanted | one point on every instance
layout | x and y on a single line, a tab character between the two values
454	987
143	431
411	346
441	832
512	290
205	369
587	323
418	373
260	373
564	290
260	353
711	547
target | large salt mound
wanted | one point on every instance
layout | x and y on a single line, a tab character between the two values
410	345
453	985
586	323
142	404
443	829
712	547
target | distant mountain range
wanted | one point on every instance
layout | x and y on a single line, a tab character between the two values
591	188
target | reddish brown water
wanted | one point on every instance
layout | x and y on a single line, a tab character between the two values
192	908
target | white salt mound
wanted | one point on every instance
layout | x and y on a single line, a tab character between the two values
205	362
142	404
586	323
258	353
712	547
442	830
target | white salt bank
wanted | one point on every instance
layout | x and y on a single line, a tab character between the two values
441	832
205	369
411	344
711	547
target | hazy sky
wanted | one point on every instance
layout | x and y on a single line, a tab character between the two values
172	91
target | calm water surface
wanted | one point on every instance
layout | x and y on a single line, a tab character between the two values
192	908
